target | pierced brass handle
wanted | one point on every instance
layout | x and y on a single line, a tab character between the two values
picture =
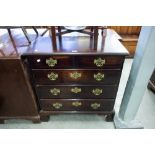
99	62
97	91
75	75
57	105
51	62
55	91
99	76
95	105
52	76
76	90
76	104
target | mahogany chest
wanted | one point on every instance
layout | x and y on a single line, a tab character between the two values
75	83
72	79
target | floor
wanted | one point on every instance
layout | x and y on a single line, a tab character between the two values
146	113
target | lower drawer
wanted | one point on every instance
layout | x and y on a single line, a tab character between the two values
78	92
77	105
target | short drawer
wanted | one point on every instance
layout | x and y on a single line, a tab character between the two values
77	105
74	91
74	61
81	76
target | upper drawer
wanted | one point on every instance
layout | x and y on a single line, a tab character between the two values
78	61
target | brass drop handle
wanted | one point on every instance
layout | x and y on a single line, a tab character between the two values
97	91
51	62
76	104
99	62
55	91
52	76
76	90
57	105
99	76
75	75
95	105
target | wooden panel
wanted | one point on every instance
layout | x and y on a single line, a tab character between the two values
16	96
129	34
126	30
77	105
131	46
108	91
105	76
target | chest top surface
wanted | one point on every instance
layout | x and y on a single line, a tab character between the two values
70	45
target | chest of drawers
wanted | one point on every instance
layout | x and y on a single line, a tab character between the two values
75	82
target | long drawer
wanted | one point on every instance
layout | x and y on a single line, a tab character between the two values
77	92
77	105
78	61
73	76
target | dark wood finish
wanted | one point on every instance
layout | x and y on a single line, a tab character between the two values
44	118
87	76
74	54
16	96
93	33
82	63
23	28
109	117
71	61
53	35
2	121
68	104
151	84
59	31
70	46
95	37
12	40
108	91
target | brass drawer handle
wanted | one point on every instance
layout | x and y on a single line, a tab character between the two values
55	91
97	91
52	76
95	105
75	75
76	90
76	104
99	76
57	105
99	62
51	62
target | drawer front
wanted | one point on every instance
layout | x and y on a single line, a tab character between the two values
68	61
77	105
72	92
73	76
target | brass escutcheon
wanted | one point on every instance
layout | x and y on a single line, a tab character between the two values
99	62
52	76
75	75
97	91
55	91
95	105
99	76
57	105
76	104
51	62
76	90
